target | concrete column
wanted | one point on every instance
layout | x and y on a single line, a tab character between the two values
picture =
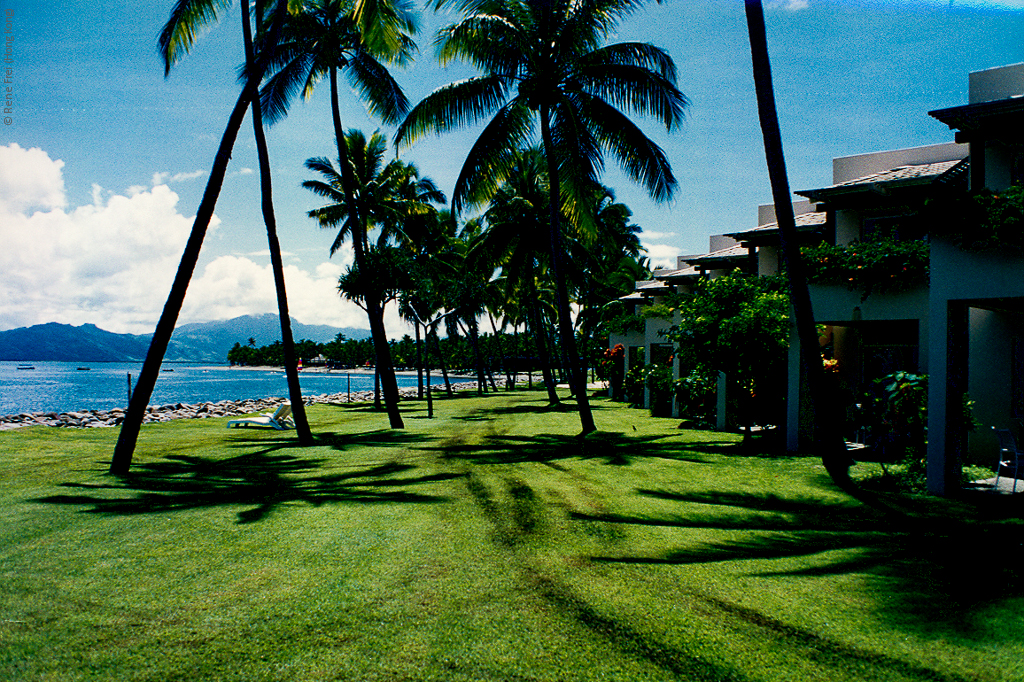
793	385
722	395
947	382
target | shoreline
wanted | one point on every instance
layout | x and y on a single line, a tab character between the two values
83	419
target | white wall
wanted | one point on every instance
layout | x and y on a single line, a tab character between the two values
1001	82
847	168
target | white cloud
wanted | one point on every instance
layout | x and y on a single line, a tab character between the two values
30	179
663	255
162	178
235	285
181	177
111	262
788	5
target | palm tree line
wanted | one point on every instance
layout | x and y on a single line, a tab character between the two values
546	76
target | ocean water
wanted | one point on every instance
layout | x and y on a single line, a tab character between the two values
63	387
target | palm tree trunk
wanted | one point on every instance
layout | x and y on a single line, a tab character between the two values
129	434
540	335
566	332
374	309
430	393
474	341
442	364
302	429
828	440
419	360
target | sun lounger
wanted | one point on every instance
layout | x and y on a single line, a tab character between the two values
279	419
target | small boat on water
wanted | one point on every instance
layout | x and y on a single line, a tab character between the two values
83	369
26	367
167	370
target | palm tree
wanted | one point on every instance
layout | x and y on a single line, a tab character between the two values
514	241
607	265
386	196
302	429
827	432
187	18
321	39
543	61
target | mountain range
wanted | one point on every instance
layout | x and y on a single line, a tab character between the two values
194	342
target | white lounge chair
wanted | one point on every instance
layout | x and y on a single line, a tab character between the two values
278	419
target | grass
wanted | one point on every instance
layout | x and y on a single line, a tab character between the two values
489	543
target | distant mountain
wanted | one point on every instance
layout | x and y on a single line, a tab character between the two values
63	342
196	342
192	340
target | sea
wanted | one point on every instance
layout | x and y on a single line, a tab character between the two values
74	386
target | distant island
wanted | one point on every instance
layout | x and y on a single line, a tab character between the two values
194	342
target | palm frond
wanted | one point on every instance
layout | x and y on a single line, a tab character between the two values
633	54
188	19
284	85
386	26
379	90
453	106
643	160
493	155
641	90
491	43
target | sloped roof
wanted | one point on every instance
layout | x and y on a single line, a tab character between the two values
684	273
732	253
901	176
812	220
653	287
999	115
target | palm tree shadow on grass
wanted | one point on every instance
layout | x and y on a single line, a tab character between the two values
615	448
262	481
930	568
541	406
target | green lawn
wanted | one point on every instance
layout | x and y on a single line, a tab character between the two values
486	544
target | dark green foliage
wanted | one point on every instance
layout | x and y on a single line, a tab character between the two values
496	350
739	325
896	418
980	220
882	266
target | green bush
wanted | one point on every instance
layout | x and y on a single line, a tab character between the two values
887	265
656	377
896	416
980	220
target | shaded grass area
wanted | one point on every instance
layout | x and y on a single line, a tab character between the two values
489	543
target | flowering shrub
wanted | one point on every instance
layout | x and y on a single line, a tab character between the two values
656	377
610	368
887	265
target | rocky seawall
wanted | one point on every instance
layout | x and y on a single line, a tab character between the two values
91	419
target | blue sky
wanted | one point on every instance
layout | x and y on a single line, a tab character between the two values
103	162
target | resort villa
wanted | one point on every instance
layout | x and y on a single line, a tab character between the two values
962	324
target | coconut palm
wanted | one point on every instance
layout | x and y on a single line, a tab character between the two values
321	39
514	241
187	19
302	429
388	197
827	425
543	62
